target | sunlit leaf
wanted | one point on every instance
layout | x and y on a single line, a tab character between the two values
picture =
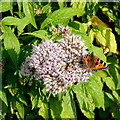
110	40
4	6
20	23
29	12
42	34
44	109
68	107
60	16
20	109
109	82
85	100
11	44
3	97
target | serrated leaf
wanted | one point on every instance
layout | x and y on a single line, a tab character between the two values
109	82
20	109
3	97
55	107
90	95
42	34
43	111
11	44
10	40
94	87
68	107
20	23
29	12
60	16
86	104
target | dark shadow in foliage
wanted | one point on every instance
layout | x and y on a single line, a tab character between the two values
103	115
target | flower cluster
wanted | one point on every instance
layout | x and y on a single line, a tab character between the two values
59	64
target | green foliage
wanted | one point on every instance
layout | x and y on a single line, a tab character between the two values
97	23
60	16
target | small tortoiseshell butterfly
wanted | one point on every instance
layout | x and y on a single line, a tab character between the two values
94	63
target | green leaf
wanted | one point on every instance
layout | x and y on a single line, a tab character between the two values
80	5
55	107
98	52
12	103
117	30
47	9
3	97
11	44
100	73
100	38
106	38
4	6
60	16
113	71
109	82
20	109
78	26
34	101
68	107
116	95
90	95
42	34
43	111
10	40
61	3
111	42
21	98
20	23
20	8
85	102
34	97
109	96
94	87
29	12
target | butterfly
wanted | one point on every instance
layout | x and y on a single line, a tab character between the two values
94	63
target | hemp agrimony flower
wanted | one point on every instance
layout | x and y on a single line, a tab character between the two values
58	65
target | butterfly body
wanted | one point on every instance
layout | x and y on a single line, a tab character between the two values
94	63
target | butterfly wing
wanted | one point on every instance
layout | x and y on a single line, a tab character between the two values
94	63
99	65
